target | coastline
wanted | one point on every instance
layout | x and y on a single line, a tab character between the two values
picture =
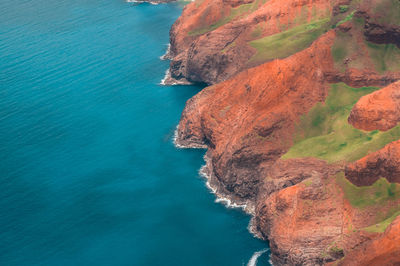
167	55
266	131
168	80
150	2
216	188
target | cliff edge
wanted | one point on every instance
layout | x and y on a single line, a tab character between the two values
300	121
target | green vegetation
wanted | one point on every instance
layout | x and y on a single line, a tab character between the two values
325	133
343	8
347	18
343	46
339	53
257	31
378	194
386	57
235	13
286	43
335	250
381	193
381	226
308	182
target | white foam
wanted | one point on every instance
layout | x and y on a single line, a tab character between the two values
254	258
167	55
140	2
169	81
167	74
181	146
220	198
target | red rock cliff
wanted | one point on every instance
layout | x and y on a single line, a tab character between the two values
305	207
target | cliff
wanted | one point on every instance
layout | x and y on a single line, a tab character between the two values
301	120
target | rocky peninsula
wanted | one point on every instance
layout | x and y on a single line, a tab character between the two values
300	119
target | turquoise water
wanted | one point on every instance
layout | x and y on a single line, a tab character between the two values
89	173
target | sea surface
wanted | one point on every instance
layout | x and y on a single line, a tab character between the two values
89	174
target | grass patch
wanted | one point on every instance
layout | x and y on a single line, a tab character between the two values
335	250
347	18
234	13
343	8
325	133
386	57
286	43
343	47
378	194
346	46
339	53
256	33
381	226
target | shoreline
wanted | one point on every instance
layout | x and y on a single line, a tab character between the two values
150	2
167	55
216	188
168	80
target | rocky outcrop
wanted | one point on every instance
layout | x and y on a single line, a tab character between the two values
384	250
249	120
383	163
286	173
379	110
247	123
304	222
210	41
381	21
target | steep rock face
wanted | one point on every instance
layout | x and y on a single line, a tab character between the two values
319	220
306	207
286	173
210	41
382	21
384	250
247	122
214	40
379	110
383	163
305	220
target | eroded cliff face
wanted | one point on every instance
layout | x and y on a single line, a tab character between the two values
379	110
383	250
247	121
383	163
304	136
213	39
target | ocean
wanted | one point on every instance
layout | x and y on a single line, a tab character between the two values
89	173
